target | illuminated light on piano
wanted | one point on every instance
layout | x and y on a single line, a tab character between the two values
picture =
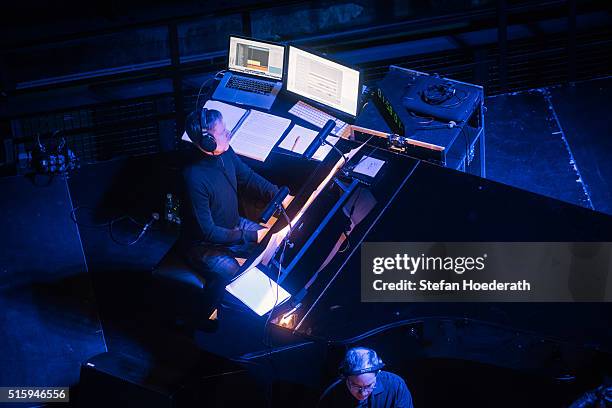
288	320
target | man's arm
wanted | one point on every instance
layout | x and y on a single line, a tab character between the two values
251	181
403	399
200	200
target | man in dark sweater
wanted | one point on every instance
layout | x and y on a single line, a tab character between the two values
213	233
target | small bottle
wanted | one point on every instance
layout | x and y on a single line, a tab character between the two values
169	209
176	215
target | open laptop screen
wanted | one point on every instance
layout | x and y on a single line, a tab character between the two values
256	58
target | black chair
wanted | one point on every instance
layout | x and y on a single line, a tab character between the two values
179	291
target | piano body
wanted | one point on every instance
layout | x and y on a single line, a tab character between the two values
411	201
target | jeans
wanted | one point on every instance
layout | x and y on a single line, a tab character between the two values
216	263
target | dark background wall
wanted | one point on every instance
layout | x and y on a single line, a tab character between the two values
117	77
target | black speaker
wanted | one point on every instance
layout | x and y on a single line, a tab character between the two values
117	380
110	379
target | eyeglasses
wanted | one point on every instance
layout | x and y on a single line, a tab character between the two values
359	388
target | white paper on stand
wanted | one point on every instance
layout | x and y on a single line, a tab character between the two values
298	139
369	166
258	134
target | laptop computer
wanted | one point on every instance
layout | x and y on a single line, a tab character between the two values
255	74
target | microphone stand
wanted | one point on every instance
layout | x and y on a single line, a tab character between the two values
320	139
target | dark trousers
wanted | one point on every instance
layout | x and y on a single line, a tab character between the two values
216	263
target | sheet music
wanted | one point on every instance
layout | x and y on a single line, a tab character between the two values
258	134
368	166
298	139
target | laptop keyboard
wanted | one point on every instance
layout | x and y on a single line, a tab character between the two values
250	85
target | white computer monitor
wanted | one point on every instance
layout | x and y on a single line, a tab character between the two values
256	57
323	81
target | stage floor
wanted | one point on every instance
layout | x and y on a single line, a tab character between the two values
554	142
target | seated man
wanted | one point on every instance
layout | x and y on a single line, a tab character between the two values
363	384
213	234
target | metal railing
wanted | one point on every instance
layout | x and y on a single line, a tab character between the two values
148	123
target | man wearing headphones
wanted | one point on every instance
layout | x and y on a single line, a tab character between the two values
364	384
213	233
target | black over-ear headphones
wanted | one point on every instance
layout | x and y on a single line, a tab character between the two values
437	94
196	127
377	365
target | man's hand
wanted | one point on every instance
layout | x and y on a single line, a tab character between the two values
274	218
288	200
261	233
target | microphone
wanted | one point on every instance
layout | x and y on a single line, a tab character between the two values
320	139
274	205
154	217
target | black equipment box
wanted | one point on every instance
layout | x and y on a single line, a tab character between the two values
442	119
439	98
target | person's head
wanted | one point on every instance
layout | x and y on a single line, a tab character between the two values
359	368
211	121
